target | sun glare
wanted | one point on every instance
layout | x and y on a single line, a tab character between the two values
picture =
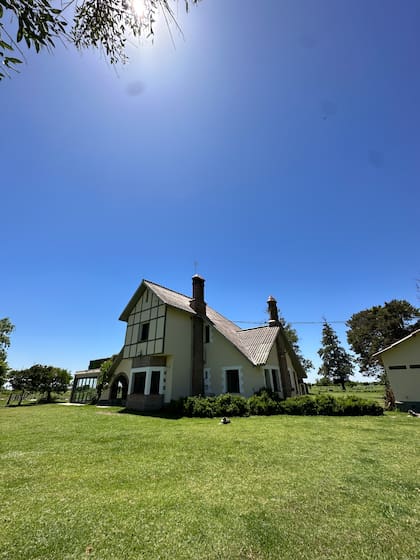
139	8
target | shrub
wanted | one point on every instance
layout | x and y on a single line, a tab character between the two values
231	405
267	403
328	405
200	407
265	392
304	405
356	406
263	404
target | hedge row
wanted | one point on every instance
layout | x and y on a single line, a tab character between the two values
266	403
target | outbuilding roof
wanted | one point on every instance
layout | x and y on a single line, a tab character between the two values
411	335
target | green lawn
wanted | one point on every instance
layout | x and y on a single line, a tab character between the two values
83	482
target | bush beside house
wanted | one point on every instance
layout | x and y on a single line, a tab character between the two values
266	403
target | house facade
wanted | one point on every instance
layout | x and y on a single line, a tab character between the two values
176	346
401	361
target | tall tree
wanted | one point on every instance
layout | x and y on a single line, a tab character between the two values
336	362
104	377
376	328
293	338
41	379
6	328
105	24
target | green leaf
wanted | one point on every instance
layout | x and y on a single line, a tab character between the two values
5	45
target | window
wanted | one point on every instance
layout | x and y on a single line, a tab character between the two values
397	367
207	381
154	383
144	333
207	334
272	379
85	389
149	380
414	366
232	381
139	382
274	374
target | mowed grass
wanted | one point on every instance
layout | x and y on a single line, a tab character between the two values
87	482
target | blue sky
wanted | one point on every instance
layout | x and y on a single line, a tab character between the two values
278	145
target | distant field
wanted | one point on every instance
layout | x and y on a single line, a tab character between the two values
84	482
370	392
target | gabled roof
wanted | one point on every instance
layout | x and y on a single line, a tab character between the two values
413	334
255	344
258	342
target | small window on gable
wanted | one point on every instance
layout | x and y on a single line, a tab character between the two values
207	334
144	331
232	381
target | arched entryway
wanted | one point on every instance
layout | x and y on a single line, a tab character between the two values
119	390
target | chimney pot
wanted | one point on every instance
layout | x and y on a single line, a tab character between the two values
273	312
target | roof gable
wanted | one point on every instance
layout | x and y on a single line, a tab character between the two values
255	344
391	346
258	342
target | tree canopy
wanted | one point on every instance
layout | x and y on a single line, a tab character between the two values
104	377
6	328
106	25
376	328
293	338
41	379
336	362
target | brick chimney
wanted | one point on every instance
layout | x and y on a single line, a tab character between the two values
273	312
198	304
280	346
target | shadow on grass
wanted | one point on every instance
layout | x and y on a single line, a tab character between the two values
31	403
166	414
21	405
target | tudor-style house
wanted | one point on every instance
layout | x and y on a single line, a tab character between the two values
176	346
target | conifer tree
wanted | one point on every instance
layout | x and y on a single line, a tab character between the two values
336	362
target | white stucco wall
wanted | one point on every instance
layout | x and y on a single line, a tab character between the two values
220	355
405	382
178	349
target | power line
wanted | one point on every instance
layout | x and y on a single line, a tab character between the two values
315	322
291	322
